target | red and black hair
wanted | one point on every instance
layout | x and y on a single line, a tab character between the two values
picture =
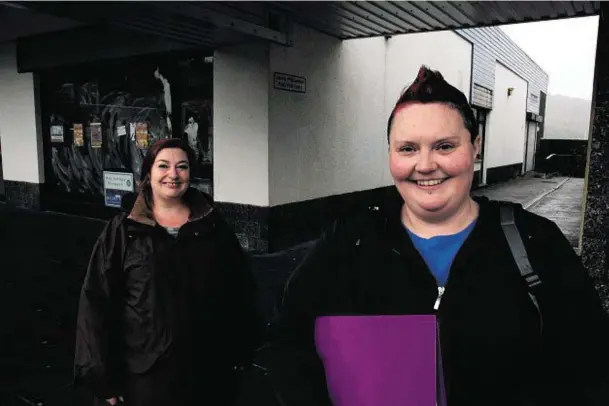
430	87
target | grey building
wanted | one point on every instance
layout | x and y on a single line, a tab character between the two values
509	94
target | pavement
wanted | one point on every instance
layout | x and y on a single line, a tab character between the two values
43	257
564	206
558	199
523	190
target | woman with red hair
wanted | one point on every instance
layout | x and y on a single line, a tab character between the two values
519	321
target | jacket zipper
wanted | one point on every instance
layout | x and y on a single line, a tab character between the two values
441	290
440	397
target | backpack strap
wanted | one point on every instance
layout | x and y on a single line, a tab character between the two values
519	253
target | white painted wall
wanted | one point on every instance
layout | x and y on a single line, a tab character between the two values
22	156
241	125
506	131
331	140
443	51
491	45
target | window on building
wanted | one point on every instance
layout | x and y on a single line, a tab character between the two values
104	115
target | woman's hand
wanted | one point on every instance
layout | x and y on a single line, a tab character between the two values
115	401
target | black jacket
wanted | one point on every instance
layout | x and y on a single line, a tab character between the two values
493	351
147	294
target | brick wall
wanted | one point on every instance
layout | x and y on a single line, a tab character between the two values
596	217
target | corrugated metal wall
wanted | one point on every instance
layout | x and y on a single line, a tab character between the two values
492	45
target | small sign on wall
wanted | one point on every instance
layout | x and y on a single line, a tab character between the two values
116	185
290	83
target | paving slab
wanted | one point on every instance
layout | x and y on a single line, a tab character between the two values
558	199
520	190
563	206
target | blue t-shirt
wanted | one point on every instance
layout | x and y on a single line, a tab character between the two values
439	252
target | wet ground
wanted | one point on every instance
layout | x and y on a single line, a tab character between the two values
521	190
564	207
559	199
43	257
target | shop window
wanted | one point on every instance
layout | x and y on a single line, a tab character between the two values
104	116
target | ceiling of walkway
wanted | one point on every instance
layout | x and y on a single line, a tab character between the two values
218	23
356	19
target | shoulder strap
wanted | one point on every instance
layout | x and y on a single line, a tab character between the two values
519	253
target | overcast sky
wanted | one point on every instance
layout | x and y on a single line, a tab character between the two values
565	50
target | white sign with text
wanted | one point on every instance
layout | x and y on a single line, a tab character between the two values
118	181
290	83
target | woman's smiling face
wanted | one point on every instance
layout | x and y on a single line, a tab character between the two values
170	174
431	159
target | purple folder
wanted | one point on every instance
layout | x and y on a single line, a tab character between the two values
380	360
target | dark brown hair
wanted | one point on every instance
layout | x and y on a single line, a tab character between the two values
150	157
430	87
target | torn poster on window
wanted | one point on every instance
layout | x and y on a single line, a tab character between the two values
79	139
57	133
141	135
96	135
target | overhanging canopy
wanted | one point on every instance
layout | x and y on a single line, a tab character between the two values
212	24
357	19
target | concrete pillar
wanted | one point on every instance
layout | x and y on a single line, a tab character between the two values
595	230
241	141
20	134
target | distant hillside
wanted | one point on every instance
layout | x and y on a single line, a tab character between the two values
566	118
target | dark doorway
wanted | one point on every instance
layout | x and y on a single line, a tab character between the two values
479	167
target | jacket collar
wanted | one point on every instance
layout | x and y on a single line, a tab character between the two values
488	219
198	203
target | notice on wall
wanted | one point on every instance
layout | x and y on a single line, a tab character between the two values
96	135
79	139
57	133
121	130
116	185
141	135
290	83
